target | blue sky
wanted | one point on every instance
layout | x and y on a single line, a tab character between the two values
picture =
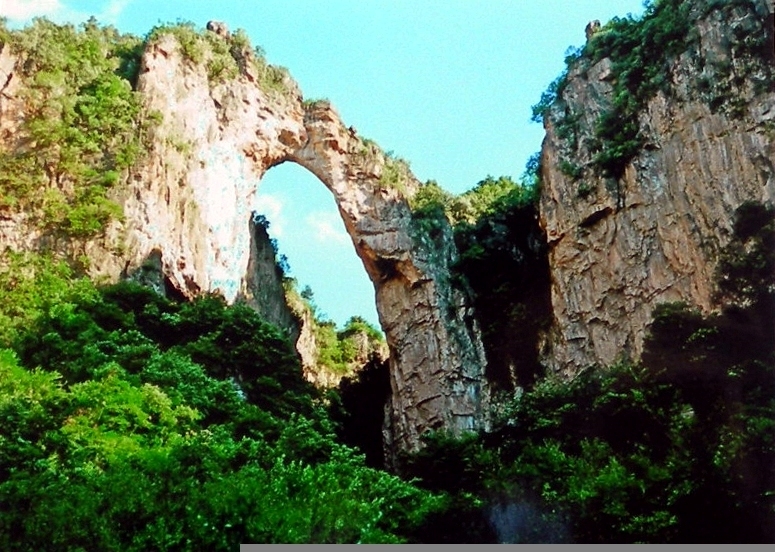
445	84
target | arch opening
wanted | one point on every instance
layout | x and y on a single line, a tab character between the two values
305	224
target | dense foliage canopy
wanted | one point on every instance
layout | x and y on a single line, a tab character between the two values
131	423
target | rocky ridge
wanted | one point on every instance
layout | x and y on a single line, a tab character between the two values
233	132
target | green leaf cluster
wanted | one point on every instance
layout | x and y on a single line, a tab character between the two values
132	423
503	262
641	51
224	57
80	129
339	350
32	284
395	171
434	209
488	197
548	98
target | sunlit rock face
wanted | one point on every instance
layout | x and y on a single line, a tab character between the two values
620	246
16	231
193	194
191	199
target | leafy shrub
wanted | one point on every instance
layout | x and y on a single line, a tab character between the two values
491	197
32	284
571	170
177	426
549	97
394	174
430	200
745	270
641	51
81	117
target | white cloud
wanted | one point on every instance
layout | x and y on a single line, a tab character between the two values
112	11
272	208
327	227
22	10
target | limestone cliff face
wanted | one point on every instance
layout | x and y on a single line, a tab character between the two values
436	360
191	197
620	246
15	230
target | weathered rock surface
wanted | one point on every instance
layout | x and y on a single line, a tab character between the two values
188	227
619	247
193	198
436	361
15	230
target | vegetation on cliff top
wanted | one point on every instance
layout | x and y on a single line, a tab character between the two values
642	52
224	55
81	127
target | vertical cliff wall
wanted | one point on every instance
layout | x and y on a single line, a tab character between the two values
626	237
422	315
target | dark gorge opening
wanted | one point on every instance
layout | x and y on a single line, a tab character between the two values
504	260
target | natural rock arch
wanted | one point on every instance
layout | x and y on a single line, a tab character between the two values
193	194
436	360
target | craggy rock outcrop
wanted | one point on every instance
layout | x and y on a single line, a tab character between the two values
15	232
192	197
366	350
307	345
620	246
263	286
